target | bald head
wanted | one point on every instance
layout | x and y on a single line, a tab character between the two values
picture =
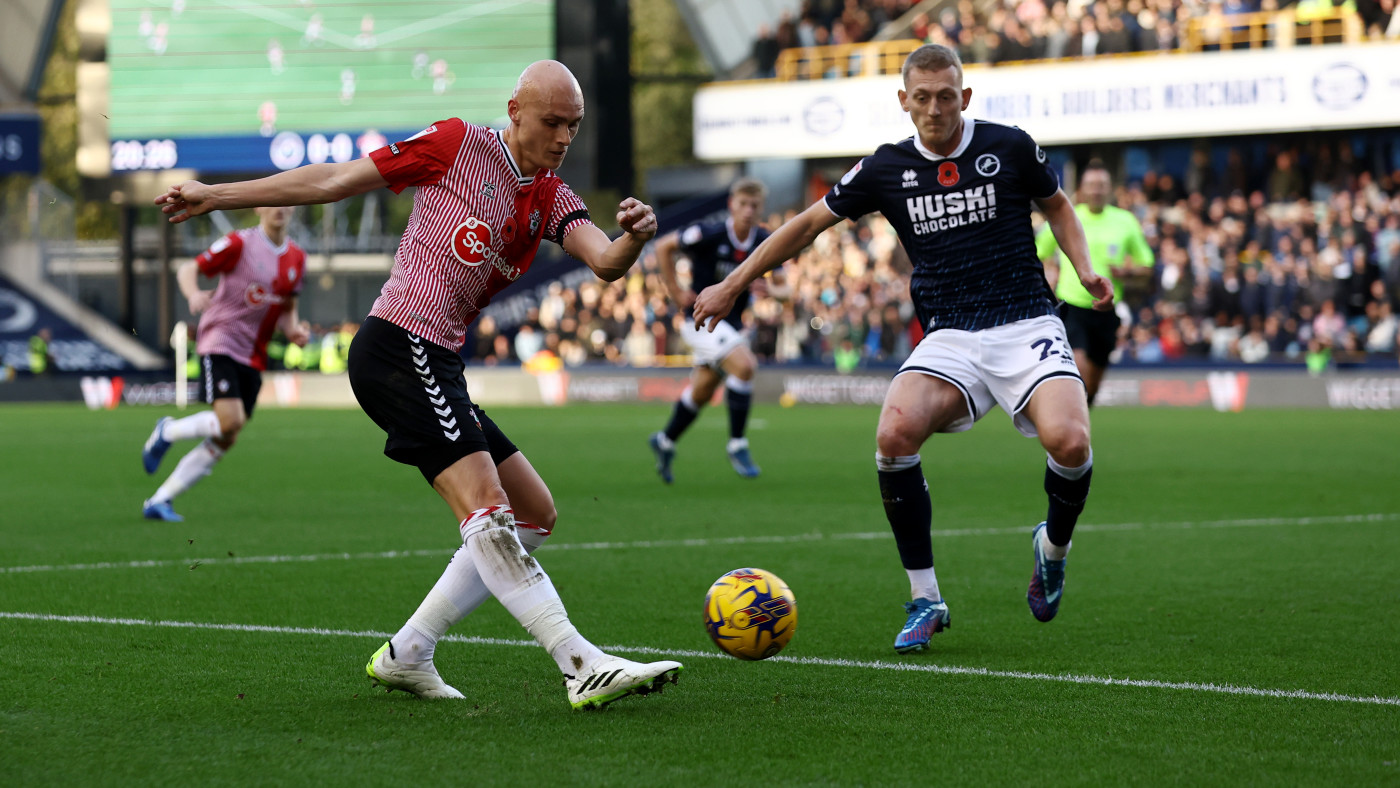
549	81
545	112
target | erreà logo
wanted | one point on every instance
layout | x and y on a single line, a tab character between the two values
471	241
911	178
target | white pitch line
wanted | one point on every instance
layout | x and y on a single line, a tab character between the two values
1342	519
909	667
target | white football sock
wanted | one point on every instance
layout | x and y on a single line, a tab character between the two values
688	400
1053	551
923	584
1070	473
457	593
204	424
738	384
522	587
195	465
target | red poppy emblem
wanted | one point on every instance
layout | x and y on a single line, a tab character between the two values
948	174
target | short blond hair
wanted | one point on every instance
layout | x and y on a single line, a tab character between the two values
931	57
753	187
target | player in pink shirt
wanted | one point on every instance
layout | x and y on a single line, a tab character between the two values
260	273
485	200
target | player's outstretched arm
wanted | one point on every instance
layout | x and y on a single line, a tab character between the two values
1069	234
611	259
313	184
716	301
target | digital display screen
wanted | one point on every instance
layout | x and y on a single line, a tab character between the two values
248	85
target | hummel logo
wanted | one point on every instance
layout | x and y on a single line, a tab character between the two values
911	178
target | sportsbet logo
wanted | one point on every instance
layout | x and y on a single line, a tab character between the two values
473	244
471	241
257	295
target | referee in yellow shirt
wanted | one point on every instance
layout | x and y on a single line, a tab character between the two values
1118	251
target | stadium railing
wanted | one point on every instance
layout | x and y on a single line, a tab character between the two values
1271	29
1281	29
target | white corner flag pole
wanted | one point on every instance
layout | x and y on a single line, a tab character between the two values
180	341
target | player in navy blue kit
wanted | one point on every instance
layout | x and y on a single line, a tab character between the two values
715	249
959	194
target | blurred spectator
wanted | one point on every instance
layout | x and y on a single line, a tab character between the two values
1016	30
765	53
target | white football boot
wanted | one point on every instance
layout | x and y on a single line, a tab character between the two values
417	678
614	678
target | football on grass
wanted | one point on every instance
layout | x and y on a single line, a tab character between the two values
750	613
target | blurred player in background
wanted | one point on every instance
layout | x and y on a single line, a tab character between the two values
959	195
260	272
1118	251
485	201
722	355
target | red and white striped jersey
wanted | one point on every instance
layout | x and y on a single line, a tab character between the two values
475	227
256	281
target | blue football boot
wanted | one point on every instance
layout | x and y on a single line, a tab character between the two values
926	619
156	446
665	450
741	460
1047	581
160	510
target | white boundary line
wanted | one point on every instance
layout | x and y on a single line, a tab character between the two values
910	667
1342	519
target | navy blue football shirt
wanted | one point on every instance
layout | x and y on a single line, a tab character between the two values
965	221
714	251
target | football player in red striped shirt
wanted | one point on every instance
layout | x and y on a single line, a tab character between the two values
485	200
260	272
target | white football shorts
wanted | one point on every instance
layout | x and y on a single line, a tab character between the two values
1002	366
709	348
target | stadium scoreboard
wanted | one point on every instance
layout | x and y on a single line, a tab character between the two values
250	85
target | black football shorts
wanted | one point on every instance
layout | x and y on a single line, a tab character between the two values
1092	331
224	378
415	391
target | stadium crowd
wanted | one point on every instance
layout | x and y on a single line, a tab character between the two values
1301	263
1294	262
1017	30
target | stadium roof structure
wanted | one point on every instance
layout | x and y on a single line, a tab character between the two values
25	40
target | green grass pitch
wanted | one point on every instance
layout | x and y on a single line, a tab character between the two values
1251	551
